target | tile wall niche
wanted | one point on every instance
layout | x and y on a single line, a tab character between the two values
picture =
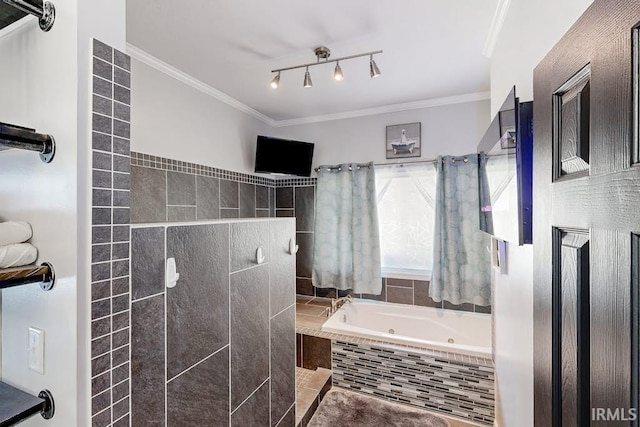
110	405
219	347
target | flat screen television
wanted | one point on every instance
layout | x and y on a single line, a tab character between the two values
506	208
283	156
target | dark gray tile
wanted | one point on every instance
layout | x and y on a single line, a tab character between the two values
208	197
299	350
247	200
120	320
101	161
460	307
262	213
483	309
100	290
122	164
181	213
148	195
102	69
282	265
304	264
100	383
120	338
122	77
101	401
122	94
147	362
120	233
147	261
399	295
255	411
120	373
381	297
421	295
283	355
200	396
120	285
121	129
100	327
198	307
100	253
100	272
229	194
121	199
121	355
316	352
403	283
103	419
122	60
304	286
100	346
121	408
181	189
285	213
122	422
305	211
272	202
284	198
249	332
102	123
121	146
121	112
326	292
101	216
101	179
101	234
262	197
102	105
101	197
246	238
100	141
121	181
102	87
100	364
289	420
119	304
102	50
120	251
229	213
121	216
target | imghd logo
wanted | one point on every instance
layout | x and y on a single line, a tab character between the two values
614	414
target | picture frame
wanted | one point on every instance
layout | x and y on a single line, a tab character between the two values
403	140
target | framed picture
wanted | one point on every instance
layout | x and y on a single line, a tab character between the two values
507	120
403	140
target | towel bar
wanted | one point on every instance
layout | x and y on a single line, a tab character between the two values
18	276
12	136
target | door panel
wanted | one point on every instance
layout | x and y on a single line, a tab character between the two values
587	206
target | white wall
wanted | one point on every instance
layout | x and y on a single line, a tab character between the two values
454	129
38	82
174	120
530	31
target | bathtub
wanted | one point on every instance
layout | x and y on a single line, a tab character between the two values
431	328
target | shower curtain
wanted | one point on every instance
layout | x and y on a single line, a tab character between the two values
346	252
461	265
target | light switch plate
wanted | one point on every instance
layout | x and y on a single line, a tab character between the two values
36	350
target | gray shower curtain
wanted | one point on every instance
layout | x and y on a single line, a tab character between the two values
461	265
346	252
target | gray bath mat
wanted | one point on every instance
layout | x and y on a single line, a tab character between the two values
341	408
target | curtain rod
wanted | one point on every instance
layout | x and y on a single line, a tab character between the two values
359	165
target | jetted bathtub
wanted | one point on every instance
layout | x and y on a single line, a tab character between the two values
431	328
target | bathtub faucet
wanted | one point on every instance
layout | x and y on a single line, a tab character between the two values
337	303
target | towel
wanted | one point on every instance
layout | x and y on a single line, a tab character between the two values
17	255
12	232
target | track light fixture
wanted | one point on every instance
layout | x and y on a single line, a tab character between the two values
323	53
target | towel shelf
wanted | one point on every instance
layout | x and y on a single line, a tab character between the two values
43	10
17	406
18	276
12	136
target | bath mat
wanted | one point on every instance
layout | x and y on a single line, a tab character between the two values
341	408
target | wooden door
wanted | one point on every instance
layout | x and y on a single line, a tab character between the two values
587	222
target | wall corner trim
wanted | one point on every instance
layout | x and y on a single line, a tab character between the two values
496	26
150	60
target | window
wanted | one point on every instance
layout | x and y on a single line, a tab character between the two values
406	213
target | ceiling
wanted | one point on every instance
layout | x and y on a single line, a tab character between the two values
432	49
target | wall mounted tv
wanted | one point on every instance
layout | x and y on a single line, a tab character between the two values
506	207
283	156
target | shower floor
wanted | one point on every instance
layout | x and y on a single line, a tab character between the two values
311	386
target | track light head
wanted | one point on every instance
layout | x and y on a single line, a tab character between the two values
337	74
373	68
307	79
276	81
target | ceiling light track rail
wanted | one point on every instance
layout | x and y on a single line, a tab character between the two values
344	58
43	10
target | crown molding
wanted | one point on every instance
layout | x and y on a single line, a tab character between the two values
152	61
22	22
496	26
393	108
185	78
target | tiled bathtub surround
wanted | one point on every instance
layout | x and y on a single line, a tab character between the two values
453	388
219	347
110	238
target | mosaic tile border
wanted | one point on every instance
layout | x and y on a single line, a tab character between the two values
163	163
437	384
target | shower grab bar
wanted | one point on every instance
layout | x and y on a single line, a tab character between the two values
12	136
43	10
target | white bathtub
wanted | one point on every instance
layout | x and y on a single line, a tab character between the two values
432	328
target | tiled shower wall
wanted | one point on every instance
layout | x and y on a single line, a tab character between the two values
110	238
219	347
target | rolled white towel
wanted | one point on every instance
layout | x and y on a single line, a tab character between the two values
12	232
17	255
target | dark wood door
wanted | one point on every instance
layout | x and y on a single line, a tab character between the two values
587	222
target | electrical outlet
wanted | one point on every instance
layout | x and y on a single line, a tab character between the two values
36	350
